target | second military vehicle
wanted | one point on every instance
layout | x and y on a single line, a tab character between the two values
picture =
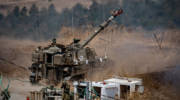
57	61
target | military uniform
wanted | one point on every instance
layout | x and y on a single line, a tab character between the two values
66	91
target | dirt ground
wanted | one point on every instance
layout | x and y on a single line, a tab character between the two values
134	54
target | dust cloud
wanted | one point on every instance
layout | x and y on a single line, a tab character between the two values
135	52
14	55
131	53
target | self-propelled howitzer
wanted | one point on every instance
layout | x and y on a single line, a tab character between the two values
57	61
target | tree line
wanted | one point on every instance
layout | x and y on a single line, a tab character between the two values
32	23
45	23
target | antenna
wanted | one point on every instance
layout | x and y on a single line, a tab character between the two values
103	17
72	26
72	22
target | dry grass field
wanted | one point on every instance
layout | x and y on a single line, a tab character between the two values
134	54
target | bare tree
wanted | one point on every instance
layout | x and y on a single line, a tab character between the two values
159	38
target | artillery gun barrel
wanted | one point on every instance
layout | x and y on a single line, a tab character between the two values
102	26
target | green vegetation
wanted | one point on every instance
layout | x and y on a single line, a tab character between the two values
45	23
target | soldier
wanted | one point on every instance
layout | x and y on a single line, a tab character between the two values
66	91
116	97
76	40
53	41
95	97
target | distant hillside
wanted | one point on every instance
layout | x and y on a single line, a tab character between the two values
46	18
